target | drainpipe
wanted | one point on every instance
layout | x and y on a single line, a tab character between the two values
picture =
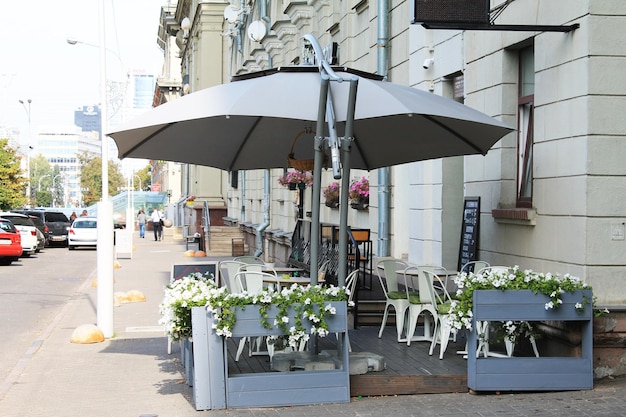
266	214
384	189
242	203
268	25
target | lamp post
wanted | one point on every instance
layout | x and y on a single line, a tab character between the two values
116	96
39	182
26	105
54	189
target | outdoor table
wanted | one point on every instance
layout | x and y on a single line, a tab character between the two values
283	270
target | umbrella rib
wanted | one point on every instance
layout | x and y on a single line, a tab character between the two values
139	144
243	142
459	136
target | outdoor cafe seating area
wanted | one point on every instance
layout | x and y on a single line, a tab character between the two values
412	363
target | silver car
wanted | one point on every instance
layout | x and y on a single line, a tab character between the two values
27	229
83	232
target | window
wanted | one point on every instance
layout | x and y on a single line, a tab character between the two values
525	137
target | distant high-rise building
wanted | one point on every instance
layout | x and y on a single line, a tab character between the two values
61	147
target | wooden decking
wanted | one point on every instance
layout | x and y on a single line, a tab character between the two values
409	369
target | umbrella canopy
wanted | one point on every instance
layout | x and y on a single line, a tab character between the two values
251	123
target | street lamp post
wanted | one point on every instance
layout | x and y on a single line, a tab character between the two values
26	105
54	189
39	182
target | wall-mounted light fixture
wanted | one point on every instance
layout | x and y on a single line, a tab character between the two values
185	25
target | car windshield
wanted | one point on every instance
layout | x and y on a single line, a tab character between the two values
21	221
85	224
7	226
56	217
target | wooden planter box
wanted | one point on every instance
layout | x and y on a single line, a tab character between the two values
215	389
530	374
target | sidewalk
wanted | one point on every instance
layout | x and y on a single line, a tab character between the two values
132	374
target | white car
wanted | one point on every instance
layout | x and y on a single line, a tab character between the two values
83	232
27	229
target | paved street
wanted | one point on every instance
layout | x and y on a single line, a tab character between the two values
132	374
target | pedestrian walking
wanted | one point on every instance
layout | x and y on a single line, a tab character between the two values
157	224
73	216
141	221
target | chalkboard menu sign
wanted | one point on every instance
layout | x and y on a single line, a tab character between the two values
182	270
469	231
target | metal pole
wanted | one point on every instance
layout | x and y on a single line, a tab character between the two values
317	179
105	207
345	185
29	147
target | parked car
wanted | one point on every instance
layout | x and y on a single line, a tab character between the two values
42	233
83	232
57	222
10	242
27	229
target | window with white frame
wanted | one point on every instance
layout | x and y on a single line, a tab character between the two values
525	137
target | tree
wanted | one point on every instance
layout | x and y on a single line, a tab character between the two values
146	179
58	188
12	180
91	178
41	180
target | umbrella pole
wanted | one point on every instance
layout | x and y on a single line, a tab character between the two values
346	145
317	181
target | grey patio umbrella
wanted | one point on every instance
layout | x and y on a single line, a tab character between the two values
251	123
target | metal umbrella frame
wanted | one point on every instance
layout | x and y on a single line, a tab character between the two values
249	124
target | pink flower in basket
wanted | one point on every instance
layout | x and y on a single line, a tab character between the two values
360	190
296	177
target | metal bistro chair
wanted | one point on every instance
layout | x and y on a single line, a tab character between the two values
474	266
443	322
248	259
254	282
228	269
394	297
421	303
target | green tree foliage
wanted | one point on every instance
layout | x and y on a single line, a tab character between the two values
41	175
146	179
12	181
91	178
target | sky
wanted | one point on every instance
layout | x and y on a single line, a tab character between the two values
37	63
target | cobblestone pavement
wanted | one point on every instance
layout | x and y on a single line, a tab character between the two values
132	374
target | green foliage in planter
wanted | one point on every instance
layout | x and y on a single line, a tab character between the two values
310	303
180	296
551	285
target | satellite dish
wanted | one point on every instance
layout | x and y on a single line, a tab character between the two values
231	13
256	31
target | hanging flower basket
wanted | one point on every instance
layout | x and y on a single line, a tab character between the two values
331	195
360	194
295	179
360	205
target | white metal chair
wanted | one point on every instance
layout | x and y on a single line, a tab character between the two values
474	266
394	297
322	270
351	282
443	322
421	303
249	259
228	269
254	282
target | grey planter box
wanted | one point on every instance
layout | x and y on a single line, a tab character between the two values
214	388
530	374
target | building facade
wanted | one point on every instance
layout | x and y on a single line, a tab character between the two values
551	193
